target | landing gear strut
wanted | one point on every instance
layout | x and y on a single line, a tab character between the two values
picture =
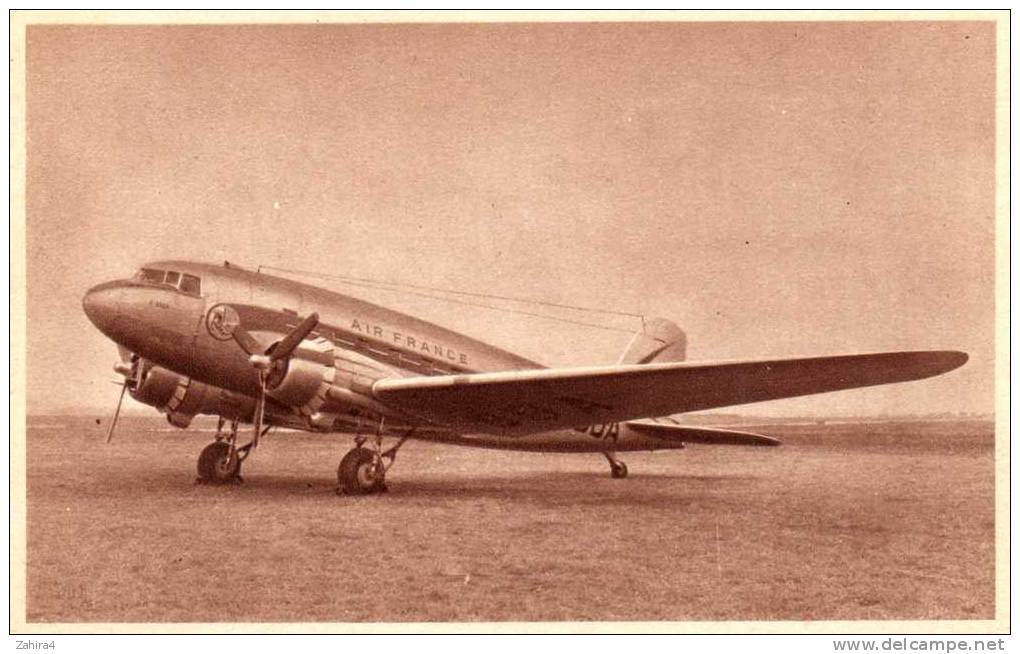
617	468
363	470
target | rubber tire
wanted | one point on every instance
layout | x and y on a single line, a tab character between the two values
353	478
213	466
618	471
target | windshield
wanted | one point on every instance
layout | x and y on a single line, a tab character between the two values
182	282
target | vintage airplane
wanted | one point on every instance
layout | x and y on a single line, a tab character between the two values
254	348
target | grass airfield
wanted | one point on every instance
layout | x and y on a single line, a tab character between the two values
869	521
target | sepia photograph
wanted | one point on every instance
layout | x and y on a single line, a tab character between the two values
509	321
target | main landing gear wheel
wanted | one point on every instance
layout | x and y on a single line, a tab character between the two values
617	468
361	472
217	464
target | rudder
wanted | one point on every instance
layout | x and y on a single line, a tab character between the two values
658	340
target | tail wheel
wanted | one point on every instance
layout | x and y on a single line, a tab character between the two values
217	464
360	473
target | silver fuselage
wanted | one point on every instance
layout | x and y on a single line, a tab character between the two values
360	341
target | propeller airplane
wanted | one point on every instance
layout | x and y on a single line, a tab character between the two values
268	351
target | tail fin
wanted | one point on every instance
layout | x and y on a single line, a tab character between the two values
658	340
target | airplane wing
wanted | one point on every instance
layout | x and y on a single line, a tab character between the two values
528	401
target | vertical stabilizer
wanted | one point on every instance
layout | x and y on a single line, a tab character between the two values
659	340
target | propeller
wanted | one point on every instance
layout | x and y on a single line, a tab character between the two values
127	366
266	361
116	413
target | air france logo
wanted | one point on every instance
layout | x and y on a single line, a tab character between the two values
221	321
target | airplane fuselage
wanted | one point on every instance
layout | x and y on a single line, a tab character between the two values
183	325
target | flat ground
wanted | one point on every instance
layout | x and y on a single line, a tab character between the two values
866	521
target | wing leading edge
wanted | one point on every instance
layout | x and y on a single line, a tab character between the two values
529	401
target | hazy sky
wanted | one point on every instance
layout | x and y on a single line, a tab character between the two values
776	189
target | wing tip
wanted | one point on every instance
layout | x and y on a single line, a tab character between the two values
942	361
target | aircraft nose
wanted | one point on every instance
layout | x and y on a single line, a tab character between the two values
101	304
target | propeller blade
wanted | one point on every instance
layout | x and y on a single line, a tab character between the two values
116	414
246	341
260	410
286	347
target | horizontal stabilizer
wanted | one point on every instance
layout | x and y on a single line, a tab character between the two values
706	435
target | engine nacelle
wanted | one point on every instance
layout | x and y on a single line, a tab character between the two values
182	398
153	385
303	383
329	386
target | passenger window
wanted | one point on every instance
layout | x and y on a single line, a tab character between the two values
172	278
191	285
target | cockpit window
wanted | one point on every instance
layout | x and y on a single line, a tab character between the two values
190	284
183	282
150	275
